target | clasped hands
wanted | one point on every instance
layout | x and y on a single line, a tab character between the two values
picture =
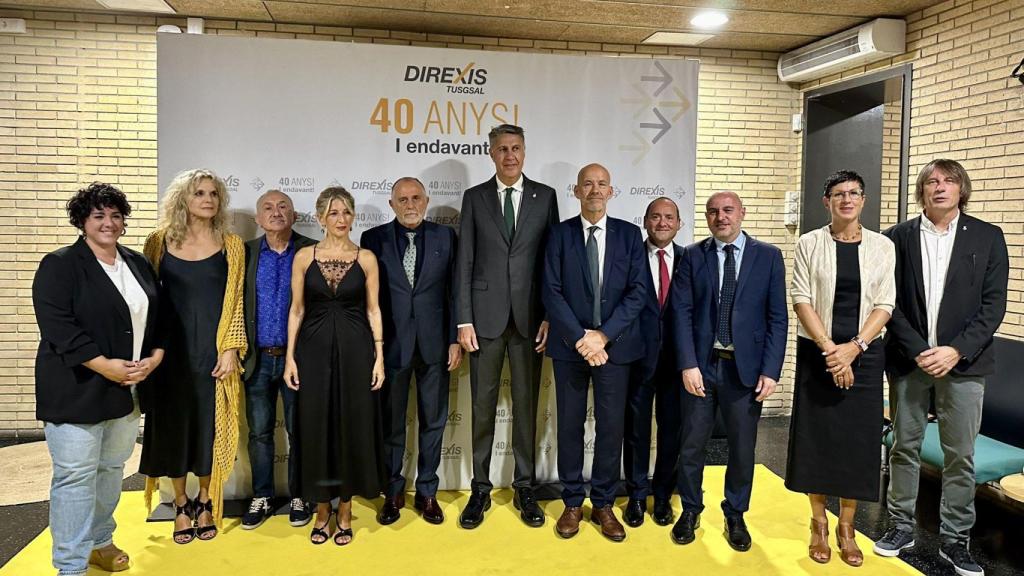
591	347
839	362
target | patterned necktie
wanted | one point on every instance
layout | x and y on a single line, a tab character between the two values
726	298
663	279
409	259
595	276
510	213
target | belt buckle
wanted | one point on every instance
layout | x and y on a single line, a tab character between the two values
274	351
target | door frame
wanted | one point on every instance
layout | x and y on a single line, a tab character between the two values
906	71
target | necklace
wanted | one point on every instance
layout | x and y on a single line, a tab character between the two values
841	238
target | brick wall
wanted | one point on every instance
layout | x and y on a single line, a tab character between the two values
78	103
965	106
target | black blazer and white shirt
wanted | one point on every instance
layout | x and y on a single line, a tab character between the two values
81	315
973	297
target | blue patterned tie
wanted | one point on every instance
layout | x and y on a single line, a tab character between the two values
725	299
409	259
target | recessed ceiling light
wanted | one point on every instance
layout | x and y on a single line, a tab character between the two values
677	38
137	5
709	19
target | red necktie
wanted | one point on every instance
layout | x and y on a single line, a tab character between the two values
663	275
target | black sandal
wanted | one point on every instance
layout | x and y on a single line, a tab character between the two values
342	532
321	531
190	532
202	531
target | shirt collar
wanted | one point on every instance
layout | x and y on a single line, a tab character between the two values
652	249
602	224
265	246
739	242
403	230
928	226
517	186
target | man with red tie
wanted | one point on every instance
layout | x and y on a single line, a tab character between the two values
654	377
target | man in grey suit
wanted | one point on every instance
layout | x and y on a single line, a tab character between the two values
504	225
268	272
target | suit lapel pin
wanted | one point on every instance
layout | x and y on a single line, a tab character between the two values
965	227
534	195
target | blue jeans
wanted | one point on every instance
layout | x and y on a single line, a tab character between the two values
261	413
88	465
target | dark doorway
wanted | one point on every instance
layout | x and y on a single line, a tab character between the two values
860	125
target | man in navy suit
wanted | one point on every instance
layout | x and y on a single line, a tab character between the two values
656	376
417	280
729	326
595	284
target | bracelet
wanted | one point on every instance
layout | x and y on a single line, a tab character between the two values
376	340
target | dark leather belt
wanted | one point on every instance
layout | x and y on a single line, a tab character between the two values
274	350
724	354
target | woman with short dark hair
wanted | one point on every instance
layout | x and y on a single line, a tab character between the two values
96	305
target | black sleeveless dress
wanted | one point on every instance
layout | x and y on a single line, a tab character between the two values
178	437
835	434
339	431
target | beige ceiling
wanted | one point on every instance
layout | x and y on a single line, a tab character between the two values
775	25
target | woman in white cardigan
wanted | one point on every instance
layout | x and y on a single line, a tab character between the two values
843	292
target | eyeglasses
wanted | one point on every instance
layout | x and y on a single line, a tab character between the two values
851	194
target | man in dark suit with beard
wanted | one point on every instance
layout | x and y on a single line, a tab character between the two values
504	225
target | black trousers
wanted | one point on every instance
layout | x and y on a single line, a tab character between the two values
572	381
664	389
485	382
723	390
432	409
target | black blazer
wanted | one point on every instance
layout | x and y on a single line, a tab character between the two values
420	316
81	315
252	260
973	299
654	320
498	276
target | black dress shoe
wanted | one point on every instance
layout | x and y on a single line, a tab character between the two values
391	511
683	531
429	508
473	515
662	513
633	516
529	511
736	533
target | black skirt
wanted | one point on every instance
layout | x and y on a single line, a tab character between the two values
835	435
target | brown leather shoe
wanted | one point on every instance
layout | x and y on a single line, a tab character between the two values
848	549
429	508
819	550
610	526
569	523
391	511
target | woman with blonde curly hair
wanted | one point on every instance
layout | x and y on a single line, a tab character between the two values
191	415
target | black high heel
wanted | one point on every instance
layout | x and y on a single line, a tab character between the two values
321	532
185	535
202	531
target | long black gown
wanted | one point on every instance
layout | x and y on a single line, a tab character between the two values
835	434
339	431
178	437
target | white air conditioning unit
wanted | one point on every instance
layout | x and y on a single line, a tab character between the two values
876	40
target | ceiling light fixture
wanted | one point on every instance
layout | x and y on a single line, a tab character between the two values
709	19
677	38
158	6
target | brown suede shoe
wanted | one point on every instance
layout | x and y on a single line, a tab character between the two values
569	523
610	526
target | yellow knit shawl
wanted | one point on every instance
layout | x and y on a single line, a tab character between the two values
230	335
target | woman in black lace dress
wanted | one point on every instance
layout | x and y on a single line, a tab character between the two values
335	360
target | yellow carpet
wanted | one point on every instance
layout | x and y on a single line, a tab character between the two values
778	523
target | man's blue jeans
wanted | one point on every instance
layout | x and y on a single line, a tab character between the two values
261	393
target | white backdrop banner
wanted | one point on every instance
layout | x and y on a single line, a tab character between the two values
303	115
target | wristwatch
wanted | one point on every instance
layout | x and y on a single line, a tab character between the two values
860	343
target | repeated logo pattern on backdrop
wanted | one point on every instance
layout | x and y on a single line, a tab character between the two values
300	116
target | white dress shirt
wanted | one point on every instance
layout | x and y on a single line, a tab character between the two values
599	236
517	195
134	296
655	263
936	249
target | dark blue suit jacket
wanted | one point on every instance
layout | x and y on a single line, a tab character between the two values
423	315
759	315
655	320
569	299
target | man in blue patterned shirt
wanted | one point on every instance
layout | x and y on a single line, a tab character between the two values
268	270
